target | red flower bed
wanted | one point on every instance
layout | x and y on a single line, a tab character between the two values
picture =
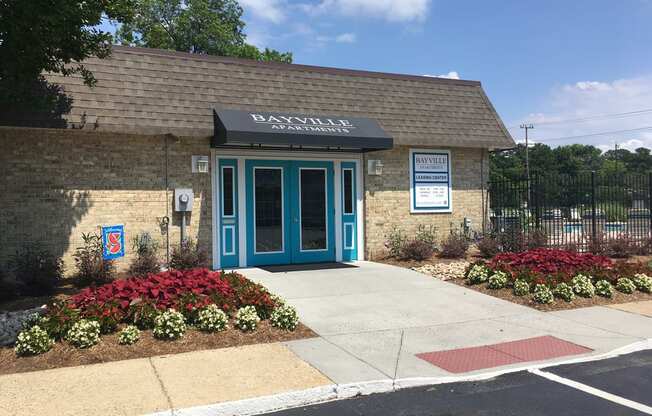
545	264
184	290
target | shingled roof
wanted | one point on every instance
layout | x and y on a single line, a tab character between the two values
150	91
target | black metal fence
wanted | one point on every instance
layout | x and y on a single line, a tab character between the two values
586	212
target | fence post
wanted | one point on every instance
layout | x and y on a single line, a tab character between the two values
594	228
537	190
649	197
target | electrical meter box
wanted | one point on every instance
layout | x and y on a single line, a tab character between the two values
183	198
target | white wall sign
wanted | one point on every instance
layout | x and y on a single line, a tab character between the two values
430	181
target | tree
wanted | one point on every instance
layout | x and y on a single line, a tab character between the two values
212	27
54	36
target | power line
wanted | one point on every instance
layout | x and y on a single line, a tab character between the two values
595	134
592	118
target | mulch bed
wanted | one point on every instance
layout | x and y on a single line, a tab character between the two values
507	294
559	304
108	349
414	263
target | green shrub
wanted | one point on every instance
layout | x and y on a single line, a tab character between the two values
477	273
454	246
91	266
565	292
143	314
59	319
246	318
542	294
395	241
625	285
33	341
129	335
169	325
285	317
36	270
521	287
188	255
498	280
427	235
643	282
583	286
210	318
146	261
84	333
603	288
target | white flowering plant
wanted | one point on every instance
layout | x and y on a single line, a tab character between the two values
498	280
84	333
285	317
564	291
278	301
32	320
210	318
521	287
247	318
625	285
643	282
129	335
169	325
542	294
33	341
478	273
603	288
583	286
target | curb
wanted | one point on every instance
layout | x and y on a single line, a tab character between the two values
288	400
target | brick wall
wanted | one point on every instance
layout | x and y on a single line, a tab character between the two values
387	197
58	184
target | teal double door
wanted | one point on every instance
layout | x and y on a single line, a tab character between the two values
290	212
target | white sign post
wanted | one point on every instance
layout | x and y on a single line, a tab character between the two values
430	181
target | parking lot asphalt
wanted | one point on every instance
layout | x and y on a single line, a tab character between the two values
615	386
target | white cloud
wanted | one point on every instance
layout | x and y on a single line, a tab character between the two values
345	38
270	10
450	75
391	10
595	107
341	38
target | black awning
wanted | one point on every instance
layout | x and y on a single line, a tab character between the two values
233	127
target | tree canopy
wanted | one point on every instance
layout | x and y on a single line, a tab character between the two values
570	159
211	27
52	36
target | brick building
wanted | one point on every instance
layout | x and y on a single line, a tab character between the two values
283	163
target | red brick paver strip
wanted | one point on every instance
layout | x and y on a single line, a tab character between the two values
468	359
540	348
463	360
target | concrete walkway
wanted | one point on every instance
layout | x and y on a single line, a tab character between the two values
373	319
136	387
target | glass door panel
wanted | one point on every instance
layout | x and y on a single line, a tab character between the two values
268	212
312	212
268	201
312	196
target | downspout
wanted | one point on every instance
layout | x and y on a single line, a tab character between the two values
482	188
166	220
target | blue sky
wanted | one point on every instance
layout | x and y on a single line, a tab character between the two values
539	61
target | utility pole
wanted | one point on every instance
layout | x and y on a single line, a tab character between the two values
527	127
616	156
